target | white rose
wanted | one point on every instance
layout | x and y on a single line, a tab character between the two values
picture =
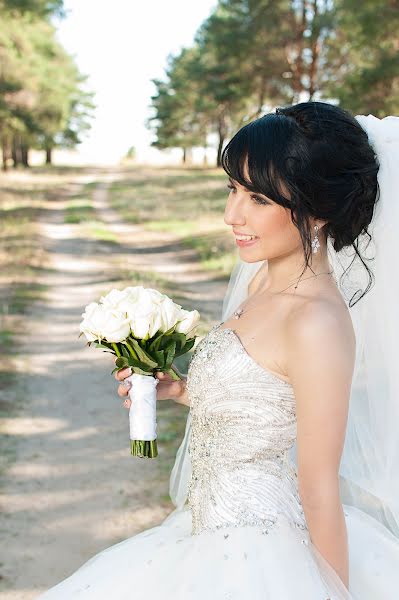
144	315
112	299
156	296
86	325
188	322
170	312
144	325
154	312
119	299
100	322
147	309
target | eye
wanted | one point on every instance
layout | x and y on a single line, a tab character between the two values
231	187
258	199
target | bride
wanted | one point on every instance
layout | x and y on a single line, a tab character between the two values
286	482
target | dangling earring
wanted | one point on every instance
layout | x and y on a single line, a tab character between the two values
315	241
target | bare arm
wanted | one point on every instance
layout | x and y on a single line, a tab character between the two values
320	362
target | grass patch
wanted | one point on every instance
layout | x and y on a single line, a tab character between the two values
25	294
186	202
98	231
79	210
156	194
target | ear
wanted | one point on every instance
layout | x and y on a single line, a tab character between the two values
318	222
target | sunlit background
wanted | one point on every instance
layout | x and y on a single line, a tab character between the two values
121	48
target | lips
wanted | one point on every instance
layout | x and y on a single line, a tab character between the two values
242	233
245	237
250	242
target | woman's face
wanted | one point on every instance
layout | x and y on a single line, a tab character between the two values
251	213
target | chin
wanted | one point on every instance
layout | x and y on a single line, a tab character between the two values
253	259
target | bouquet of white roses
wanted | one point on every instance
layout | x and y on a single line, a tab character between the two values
146	330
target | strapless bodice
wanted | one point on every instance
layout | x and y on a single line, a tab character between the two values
243	423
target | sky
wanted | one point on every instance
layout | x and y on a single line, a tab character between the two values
121	45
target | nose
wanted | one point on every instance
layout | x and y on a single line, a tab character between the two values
234	213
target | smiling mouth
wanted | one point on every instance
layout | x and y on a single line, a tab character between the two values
245	238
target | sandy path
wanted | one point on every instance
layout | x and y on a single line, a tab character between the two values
74	489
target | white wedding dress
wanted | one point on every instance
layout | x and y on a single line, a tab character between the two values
243	533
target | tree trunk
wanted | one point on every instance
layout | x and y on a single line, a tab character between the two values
184	157
25	155
49	155
220	149
16	151
261	97
222	132
315	51
294	53
4	166
6	151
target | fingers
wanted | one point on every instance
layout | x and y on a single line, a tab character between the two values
160	375
123	389
123	373
163	376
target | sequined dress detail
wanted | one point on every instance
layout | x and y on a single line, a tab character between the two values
243	425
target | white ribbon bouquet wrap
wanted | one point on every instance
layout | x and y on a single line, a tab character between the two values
146	331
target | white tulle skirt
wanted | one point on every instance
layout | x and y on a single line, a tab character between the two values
166	562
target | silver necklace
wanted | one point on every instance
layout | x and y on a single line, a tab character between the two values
237	313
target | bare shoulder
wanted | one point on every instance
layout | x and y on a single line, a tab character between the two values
320	324
315	316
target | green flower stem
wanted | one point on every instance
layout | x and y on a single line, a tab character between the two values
144	448
115	347
132	352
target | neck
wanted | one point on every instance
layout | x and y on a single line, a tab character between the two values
284	270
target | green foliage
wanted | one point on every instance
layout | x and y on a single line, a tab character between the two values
251	55
131	153
43	100
37	8
177	105
147	356
366	78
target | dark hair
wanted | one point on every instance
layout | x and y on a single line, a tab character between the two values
321	156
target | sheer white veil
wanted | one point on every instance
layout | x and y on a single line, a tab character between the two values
369	469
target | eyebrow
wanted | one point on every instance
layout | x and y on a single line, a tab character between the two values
257	193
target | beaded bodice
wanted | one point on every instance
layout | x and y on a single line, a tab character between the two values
243	422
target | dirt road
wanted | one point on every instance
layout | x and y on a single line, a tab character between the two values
73	488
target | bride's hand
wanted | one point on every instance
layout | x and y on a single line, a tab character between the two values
167	388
